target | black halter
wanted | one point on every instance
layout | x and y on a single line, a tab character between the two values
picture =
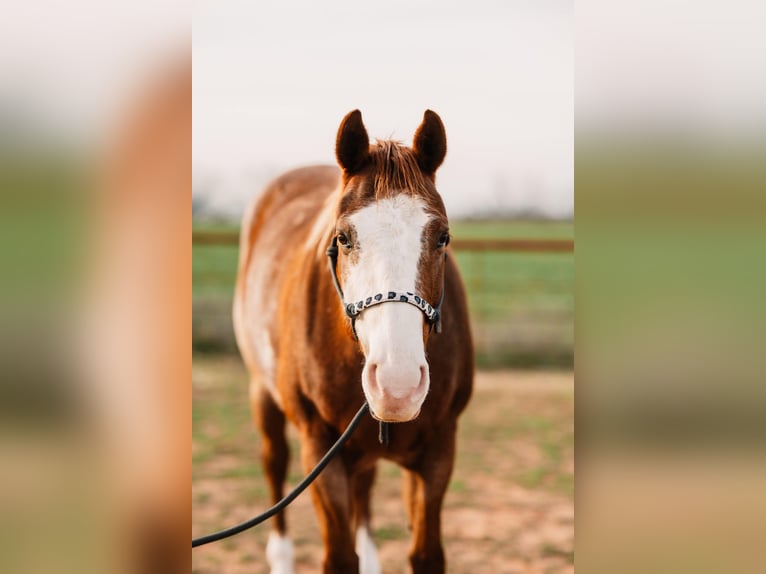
433	314
353	310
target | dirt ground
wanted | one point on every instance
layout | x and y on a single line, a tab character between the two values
509	508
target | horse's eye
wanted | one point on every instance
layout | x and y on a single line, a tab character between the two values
443	239
343	240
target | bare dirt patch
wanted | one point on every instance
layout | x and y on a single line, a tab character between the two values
509	508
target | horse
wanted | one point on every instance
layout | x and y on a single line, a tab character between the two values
319	342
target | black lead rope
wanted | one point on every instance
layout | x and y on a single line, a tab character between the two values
433	317
279	506
383	433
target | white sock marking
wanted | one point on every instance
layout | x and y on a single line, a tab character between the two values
368	554
280	554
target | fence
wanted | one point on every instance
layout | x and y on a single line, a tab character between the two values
511	245
520	292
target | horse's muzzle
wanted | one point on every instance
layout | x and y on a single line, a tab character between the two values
395	394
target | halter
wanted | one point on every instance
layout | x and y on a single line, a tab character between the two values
353	310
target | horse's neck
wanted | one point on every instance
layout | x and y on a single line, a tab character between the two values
322	228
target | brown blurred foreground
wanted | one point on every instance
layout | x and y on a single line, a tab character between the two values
94	330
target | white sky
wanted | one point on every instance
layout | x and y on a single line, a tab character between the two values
272	80
690	66
74	66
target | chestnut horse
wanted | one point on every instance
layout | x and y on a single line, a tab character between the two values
318	343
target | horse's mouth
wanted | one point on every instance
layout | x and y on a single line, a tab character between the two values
393	420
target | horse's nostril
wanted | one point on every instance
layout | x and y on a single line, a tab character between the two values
423	378
372	378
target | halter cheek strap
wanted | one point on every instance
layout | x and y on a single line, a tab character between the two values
353	310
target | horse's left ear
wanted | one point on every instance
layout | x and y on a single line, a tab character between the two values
430	143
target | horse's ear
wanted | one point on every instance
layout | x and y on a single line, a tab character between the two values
430	143
352	146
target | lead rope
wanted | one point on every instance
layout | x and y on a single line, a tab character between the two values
383	429
279	506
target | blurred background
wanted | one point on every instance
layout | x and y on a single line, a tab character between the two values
95	178
272	81
671	408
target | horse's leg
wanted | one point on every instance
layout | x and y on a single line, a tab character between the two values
275	454
361	488
430	481
331	496
409	494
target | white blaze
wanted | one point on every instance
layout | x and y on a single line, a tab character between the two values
388	248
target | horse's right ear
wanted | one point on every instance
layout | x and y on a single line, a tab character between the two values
352	146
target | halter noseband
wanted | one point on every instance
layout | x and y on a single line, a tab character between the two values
353	310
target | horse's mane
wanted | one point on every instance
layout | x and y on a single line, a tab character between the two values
395	170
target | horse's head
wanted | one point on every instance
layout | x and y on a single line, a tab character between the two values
392	232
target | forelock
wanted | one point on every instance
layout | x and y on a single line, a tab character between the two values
395	170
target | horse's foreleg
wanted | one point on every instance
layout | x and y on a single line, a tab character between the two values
275	455
429	481
409	494
331	495
361	487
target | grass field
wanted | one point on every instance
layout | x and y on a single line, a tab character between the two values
522	304
509	507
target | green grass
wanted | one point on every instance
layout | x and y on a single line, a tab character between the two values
391	533
506	283
521	304
214	270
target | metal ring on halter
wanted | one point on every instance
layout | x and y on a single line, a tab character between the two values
352	310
